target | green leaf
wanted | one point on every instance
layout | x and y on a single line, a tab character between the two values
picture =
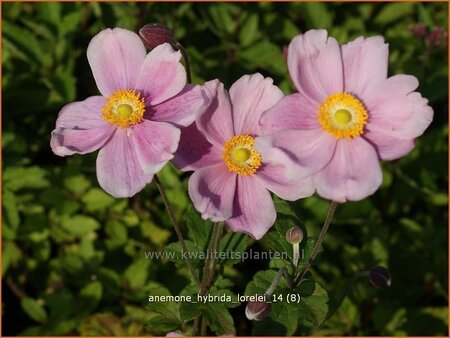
77	184
102	324
17	178
264	54
313	302
318	15
393	12
199	228
96	199
177	255
230	246
79	225
34	309
219	319
160	325
117	231
249	30
89	297
137	273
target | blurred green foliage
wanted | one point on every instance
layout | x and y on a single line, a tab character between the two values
73	257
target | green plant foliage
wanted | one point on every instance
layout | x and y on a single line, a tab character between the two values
75	260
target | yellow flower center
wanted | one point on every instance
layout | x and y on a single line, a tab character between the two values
342	115
240	156
124	108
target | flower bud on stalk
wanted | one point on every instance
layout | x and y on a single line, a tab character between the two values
257	310
380	277
155	34
294	236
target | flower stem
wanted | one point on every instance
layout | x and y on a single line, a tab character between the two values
349	286
276	280
186	60
176	227
208	273
209	269
296	254
316	248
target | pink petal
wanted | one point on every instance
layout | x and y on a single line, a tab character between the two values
162	75
182	108
389	148
115	56
212	191
216	122
365	63
80	128
194	151
315	65
294	111
119	170
396	111
155	143
300	152
273	178
251	95
253	210
352	174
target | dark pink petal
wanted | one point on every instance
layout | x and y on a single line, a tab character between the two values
80	128
315	65
253	210
119	171
212	190
365	64
300	152
389	148
294	111
194	151
155	143
181	109
162	75
396	111
273	178
216	122
115	56
352	174
251	95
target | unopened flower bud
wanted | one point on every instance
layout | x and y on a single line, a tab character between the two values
294	235
380	277
155	34
257	310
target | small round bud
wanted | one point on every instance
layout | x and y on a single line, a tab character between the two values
294	235
155	34
257	310
380	277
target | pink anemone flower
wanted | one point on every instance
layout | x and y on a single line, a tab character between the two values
231	180
135	122
346	116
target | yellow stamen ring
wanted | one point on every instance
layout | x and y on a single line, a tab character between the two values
240	156
124	108
342	115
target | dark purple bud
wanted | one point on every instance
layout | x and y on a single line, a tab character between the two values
155	34
294	235
437	36
257	310
380	277
418	30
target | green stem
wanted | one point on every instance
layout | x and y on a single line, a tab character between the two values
208	273
177	228
318	244
209	269
276	280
